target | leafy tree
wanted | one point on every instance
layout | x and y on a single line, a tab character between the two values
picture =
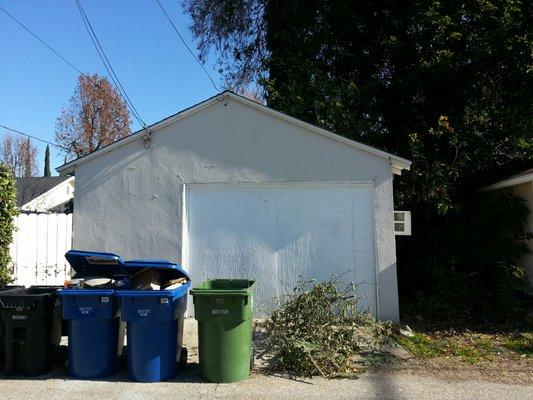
410	77
47	161
237	31
96	116
29	156
445	84
8	209
20	155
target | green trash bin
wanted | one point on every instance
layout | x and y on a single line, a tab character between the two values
223	309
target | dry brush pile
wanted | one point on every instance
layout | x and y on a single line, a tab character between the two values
318	330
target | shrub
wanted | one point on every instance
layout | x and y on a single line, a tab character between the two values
8	209
466	264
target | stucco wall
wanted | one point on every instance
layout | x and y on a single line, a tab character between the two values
525	190
129	201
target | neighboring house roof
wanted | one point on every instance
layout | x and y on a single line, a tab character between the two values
59	198
30	188
397	163
518	179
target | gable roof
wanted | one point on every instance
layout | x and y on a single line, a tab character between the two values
31	188
518	179
397	163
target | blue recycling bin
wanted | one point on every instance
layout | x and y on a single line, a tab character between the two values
95	332
154	321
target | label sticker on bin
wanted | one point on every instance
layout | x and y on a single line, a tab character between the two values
90	263
85	310
143	313
98	260
220	312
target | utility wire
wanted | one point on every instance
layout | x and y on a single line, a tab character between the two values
187	46
40	40
109	67
102	56
33	137
107	64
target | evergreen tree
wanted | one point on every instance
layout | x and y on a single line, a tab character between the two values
47	161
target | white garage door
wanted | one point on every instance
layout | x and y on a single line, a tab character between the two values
275	233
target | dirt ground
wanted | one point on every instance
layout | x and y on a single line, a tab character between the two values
504	368
468	355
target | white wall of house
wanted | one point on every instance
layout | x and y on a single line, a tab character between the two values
54	197
131	200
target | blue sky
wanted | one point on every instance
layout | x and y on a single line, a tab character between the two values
158	73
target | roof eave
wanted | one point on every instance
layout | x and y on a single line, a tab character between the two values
517	180
69	168
397	163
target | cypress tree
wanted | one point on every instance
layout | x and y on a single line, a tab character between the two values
47	161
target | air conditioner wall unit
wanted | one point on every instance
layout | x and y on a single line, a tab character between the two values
402	223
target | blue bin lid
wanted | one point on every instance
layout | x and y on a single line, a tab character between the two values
91	263
169	269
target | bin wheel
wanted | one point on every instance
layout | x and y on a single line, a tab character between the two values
252	360
124	357
61	355
183	357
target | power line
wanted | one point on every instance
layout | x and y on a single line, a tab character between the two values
105	61
108	66
33	137
187	46
40	40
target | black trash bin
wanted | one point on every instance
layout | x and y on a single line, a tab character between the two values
32	329
10	287
2	343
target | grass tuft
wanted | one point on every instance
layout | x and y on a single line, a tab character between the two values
468	348
520	343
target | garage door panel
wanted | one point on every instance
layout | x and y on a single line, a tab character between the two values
277	233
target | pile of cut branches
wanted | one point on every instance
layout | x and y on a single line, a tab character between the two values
319	330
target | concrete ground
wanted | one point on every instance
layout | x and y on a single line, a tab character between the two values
189	385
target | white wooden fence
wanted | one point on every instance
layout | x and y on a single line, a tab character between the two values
38	249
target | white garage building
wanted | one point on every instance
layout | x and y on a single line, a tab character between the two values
232	188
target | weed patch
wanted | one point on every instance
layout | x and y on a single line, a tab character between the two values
422	345
469	348
520	343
